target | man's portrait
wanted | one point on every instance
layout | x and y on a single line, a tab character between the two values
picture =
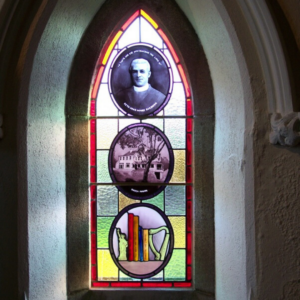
140	81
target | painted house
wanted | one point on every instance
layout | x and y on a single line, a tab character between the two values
135	160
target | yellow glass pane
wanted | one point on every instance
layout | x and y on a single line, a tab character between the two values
107	270
111	46
146	16
125	201
178	224
179	166
107	129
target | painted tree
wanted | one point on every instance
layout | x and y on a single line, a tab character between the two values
148	142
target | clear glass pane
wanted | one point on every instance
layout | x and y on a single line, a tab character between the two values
131	35
159	123
176	105
150	35
176	75
175	200
175	131
126	122
105	74
105	106
102	167
107	201
157	277
107	129
124	277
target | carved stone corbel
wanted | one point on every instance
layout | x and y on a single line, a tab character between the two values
285	130
1	130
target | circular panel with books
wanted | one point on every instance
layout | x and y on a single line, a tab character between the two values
141	240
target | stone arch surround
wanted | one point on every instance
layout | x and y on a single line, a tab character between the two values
42	177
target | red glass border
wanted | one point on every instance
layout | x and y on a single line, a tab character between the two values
93	192
92	150
189	216
189	125
93	250
125	284
189	248
93	214
182	284
94	273
189	273
130	20
100	284
188	149
93	126
93	108
189	108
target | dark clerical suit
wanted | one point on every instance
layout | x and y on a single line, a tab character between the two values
140	103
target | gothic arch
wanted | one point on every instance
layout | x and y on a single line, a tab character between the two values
183	37
42	176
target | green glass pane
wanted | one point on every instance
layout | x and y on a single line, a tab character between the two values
175	131
105	106
175	200
107	129
175	269
159	123
124	277
107	201
103	226
176	105
157	277
157	201
102	166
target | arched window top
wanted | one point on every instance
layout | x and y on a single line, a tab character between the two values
141	37
141	161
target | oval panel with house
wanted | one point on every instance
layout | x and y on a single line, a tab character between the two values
141	154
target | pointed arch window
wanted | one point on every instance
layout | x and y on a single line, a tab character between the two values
141	126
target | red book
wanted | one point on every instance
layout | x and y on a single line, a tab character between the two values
130	238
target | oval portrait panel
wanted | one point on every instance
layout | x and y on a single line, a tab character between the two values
142	154
140	82
141	240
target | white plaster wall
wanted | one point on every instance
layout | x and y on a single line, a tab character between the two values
233	155
46	148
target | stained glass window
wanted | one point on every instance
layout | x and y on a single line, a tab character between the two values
141	188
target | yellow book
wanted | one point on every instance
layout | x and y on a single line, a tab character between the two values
146	244
136	238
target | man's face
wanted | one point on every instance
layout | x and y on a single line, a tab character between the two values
140	73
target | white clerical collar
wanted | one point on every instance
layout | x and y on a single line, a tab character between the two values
142	88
